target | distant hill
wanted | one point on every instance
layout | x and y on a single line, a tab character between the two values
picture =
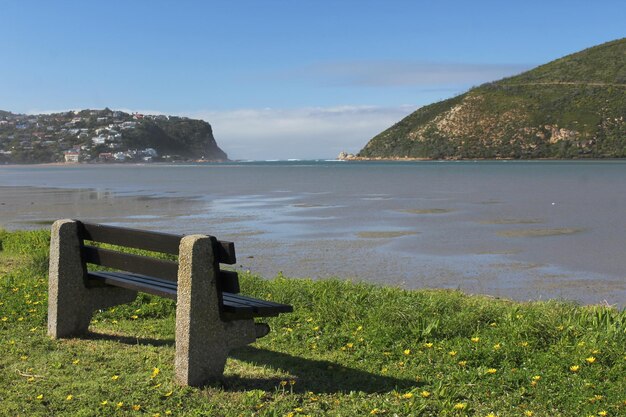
104	136
574	107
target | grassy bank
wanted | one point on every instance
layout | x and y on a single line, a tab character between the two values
348	349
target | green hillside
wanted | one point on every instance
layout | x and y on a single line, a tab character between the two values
573	107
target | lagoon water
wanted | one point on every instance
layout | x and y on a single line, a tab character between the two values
516	229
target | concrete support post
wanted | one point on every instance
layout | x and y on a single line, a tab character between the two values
70	303
203	340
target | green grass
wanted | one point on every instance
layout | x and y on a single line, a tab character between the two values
348	349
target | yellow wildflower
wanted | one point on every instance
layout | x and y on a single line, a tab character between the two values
536	377
69	397
425	394
375	411
428	345
168	394
491	415
590	360
155	372
298	409
76	361
105	402
408	395
497	346
358	329
529	413
4	318
40	397
460	406
115	377
523	344
349	345
574	368
134	317
462	363
136	407
475	339
407	352
603	413
316	328
452	353
120	404
492	371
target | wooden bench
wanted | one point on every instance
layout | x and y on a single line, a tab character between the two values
211	316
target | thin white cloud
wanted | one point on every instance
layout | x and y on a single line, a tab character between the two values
394	73
303	133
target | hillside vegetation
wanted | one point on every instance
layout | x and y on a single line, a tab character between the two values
574	107
348	349
104	136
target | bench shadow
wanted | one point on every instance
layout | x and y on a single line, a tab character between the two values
128	340
310	375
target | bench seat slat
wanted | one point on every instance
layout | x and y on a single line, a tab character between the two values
260	307
258	303
139	279
131	284
233	305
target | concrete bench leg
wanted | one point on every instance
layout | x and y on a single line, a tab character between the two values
202	339
70	303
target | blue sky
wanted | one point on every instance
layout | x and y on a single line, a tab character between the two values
281	79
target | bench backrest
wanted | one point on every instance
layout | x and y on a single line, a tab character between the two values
151	241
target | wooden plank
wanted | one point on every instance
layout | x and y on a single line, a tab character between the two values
226	252
132	284
229	282
148	240
260	308
260	303
142	279
132	238
132	263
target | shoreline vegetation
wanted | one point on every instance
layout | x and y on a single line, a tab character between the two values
348	349
569	108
